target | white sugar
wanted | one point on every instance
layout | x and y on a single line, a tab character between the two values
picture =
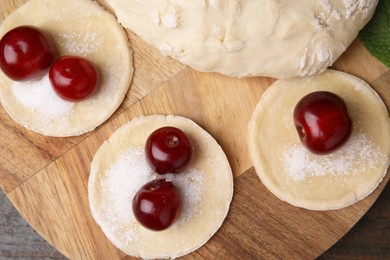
124	178
38	95
189	184
129	173
299	163
82	44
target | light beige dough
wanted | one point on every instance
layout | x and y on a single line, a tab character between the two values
320	182
81	28
119	169
276	38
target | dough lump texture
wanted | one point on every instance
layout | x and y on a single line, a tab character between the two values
275	38
80	28
119	169
320	182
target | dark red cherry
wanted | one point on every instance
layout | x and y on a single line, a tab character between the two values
157	204
25	53
168	150
322	121
73	78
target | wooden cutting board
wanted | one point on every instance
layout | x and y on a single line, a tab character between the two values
46	178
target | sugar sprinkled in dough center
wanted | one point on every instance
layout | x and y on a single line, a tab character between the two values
127	175
39	95
190	183
123	179
82	44
299	163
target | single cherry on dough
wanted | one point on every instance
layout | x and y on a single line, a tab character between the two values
73	78
157	204
168	150
322	121
25	53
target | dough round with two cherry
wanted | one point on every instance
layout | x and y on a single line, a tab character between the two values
320	182
119	169
81	28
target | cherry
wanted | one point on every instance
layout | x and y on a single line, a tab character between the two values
25	53
157	204
73	78
168	150
322	121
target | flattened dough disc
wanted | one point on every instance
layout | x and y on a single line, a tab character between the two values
81	28
119	169
320	182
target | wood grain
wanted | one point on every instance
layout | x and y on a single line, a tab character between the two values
369	238
46	178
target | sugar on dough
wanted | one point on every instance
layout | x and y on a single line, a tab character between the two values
77	27
320	182
276	38
119	169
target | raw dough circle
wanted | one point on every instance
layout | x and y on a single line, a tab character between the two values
77	27
119	169
320	182
280	39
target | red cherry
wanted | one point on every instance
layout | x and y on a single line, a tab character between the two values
25	53
73	78
168	150
157	204
322	121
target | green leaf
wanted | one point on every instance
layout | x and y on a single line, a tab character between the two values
376	34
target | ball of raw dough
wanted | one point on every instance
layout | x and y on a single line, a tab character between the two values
275	38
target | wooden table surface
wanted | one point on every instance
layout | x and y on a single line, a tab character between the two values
368	239
46	178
